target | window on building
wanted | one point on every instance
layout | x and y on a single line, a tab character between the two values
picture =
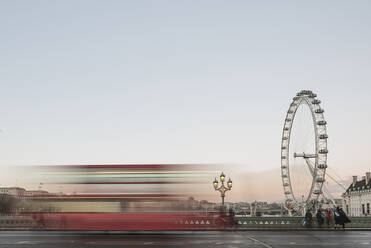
368	208
363	208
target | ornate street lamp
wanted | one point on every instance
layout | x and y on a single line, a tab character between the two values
222	189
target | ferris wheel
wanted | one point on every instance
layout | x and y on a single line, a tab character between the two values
304	152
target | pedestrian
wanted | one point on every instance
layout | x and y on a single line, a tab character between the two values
343	217
337	220
329	217
308	219
320	219
340	218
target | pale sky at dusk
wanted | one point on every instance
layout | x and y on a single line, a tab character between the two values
180	81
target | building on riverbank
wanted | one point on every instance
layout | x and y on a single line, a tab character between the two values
357	198
21	192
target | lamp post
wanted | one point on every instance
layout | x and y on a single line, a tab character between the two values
222	189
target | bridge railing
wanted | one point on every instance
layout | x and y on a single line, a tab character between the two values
359	222
293	222
118	221
268	222
190	222
16	222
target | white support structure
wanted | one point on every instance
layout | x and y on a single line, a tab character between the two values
325	189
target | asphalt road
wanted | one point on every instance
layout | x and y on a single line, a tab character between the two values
228	239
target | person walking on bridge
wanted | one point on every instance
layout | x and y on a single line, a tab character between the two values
308	219
320	218
329	218
340	218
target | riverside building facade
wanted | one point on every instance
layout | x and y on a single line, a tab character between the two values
357	198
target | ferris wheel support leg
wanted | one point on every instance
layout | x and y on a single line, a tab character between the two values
325	189
310	166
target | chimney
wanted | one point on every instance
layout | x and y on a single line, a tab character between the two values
368	176
354	180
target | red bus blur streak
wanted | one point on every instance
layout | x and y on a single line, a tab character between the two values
131	221
120	166
134	183
105	196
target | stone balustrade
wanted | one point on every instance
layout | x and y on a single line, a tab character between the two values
293	222
27	222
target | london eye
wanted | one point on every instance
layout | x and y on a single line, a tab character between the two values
303	152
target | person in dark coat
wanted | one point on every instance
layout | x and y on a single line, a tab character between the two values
343	217
340	218
337	220
308	219
320	219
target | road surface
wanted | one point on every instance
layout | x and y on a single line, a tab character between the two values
230	239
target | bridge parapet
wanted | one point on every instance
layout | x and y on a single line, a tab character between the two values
192	222
293	222
269	222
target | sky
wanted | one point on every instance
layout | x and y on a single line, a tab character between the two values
100	82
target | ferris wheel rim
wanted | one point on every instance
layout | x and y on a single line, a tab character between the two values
320	132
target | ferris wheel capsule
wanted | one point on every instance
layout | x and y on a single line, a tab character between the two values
321	122
323	136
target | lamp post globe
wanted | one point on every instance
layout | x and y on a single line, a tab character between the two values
215	183
222	177
229	183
